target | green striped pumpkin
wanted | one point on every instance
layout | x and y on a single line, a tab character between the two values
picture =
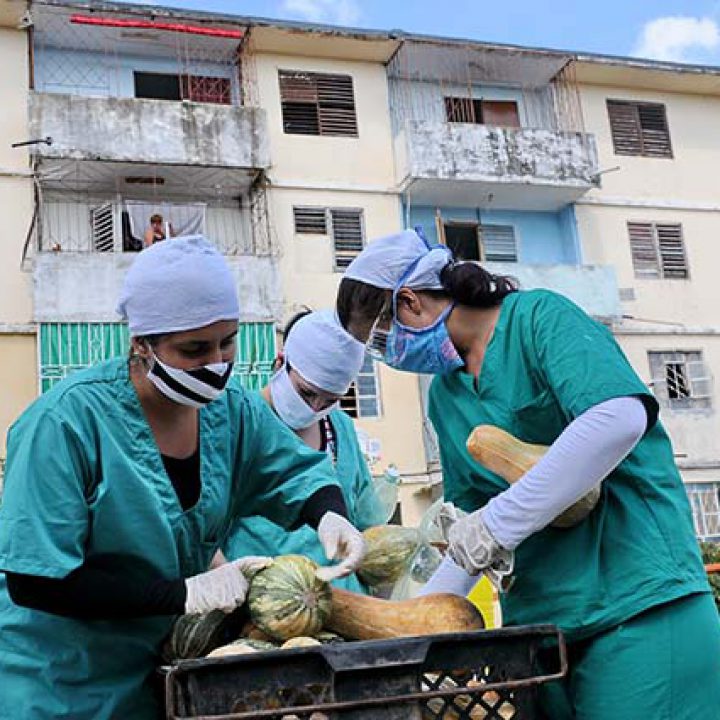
286	600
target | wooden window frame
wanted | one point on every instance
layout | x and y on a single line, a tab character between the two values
469	110
326	100
663	258
630	137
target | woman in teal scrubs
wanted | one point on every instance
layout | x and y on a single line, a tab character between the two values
319	362
626	584
121	484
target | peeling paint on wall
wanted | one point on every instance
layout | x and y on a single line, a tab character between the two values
151	131
461	151
84	287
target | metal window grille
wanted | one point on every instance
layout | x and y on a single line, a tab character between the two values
681	380
206	89
317	104
67	347
462	110
102	220
705	504
658	250
362	400
639	129
348	236
311	220
499	243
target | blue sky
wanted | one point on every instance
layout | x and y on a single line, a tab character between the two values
680	30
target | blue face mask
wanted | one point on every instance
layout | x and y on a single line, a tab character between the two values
422	350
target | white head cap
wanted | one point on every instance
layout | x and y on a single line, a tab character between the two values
175	285
323	353
404	258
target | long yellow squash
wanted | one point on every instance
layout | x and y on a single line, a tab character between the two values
510	458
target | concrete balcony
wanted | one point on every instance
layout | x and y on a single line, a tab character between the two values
149	131
593	287
462	164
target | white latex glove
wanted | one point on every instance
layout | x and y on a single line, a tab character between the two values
472	546
223	588
340	541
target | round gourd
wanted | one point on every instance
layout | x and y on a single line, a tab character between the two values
389	551
287	600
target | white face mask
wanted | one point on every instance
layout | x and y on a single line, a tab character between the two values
289	406
196	387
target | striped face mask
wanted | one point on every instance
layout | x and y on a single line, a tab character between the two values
196	387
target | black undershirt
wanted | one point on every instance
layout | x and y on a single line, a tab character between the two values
120	586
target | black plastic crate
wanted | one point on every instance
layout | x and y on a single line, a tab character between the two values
490	674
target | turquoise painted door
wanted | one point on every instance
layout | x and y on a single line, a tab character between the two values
66	347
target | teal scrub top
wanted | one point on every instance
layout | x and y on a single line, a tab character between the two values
84	476
546	364
260	536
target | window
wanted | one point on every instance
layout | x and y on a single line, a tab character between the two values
345	226
198	88
347	232
501	113
317	104
705	504
639	129
362	400
206	89
102	219
499	244
311	220
157	86
680	379
67	347
470	241
658	250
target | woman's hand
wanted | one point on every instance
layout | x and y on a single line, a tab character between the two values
340	541
223	588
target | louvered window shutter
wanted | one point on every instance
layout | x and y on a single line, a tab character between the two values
347	231
299	101
337	105
643	249
499	244
672	250
639	129
102	220
311	220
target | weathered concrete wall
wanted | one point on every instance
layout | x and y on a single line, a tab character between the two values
459	151
84	287
18	379
151	131
593	288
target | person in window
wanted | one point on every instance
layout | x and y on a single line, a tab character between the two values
318	363
626	584
121	484
158	231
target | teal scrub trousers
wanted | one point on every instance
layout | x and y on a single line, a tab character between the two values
663	664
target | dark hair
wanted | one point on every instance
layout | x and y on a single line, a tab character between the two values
156	218
293	321
359	304
468	283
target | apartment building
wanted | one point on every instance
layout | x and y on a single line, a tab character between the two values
18	363
655	219
291	145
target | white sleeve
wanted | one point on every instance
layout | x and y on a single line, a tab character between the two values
593	445
449	578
